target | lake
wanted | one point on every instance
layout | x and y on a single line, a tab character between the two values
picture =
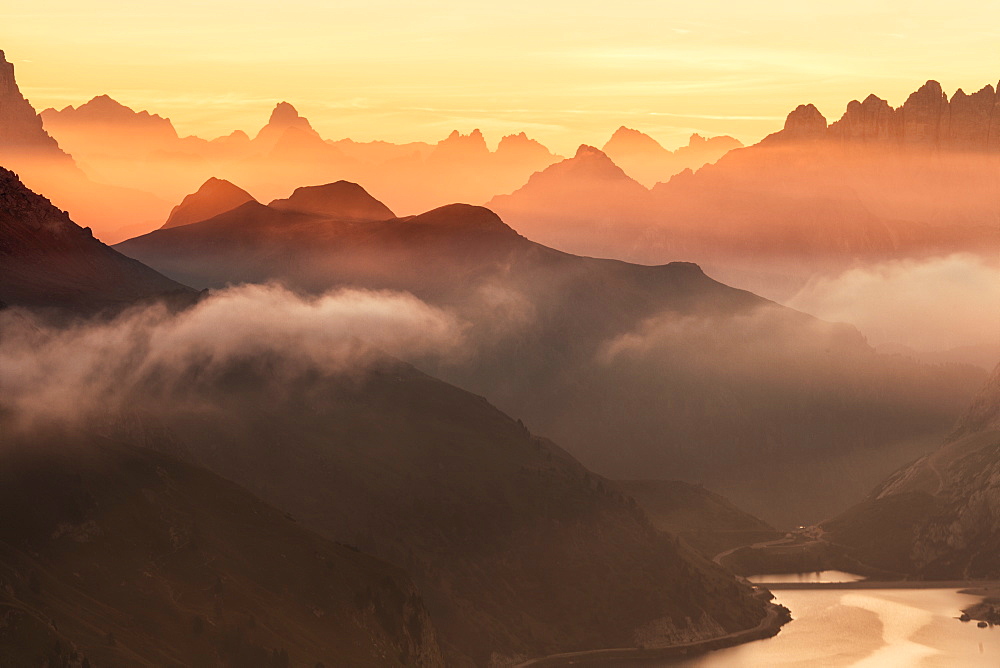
864	628
817	576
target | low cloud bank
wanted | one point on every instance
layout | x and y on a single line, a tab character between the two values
929	305
49	374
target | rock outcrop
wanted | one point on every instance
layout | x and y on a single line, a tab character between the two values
20	127
928	120
938	518
47	260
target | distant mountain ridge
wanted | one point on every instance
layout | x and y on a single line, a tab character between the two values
928	119
649	163
693	364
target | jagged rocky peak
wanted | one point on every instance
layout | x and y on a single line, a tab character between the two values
342	199
214	197
870	120
924	115
471	144
285	115
927	120
521	145
20	127
804	123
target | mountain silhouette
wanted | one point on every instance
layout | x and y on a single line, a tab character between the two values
215	196
810	201
28	149
708	381
342	200
48	260
645	160
937	517
113	554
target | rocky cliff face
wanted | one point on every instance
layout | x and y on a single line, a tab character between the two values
20	127
927	120
48	260
939	517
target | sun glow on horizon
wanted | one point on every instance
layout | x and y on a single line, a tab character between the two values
566	73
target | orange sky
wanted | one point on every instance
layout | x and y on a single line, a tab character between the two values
565	72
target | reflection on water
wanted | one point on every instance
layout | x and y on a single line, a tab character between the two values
864	628
816	576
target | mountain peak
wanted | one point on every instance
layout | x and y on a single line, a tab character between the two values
805	122
20	127
586	151
284	114
343	200
628	141
214	197
462	217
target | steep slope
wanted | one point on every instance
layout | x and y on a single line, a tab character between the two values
639	371
707	521
122	556
48	260
21	130
517	549
215	196
28	149
939	517
588	186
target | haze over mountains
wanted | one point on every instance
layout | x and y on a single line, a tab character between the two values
132	554
46	260
701	375
117	555
319	413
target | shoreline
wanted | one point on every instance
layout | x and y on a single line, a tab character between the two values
777	616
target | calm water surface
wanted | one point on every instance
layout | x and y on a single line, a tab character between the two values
818	576
875	628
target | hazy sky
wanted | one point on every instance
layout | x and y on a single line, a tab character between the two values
564	71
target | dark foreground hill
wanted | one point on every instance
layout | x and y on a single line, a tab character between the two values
517	549
939	517
639	371
111	555
707	521
48	260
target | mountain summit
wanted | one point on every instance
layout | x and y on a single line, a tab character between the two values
215	196
343	200
927	120
20	127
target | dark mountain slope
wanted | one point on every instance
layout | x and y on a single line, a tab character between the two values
48	260
940	516
517	549
707	521
128	557
638	370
